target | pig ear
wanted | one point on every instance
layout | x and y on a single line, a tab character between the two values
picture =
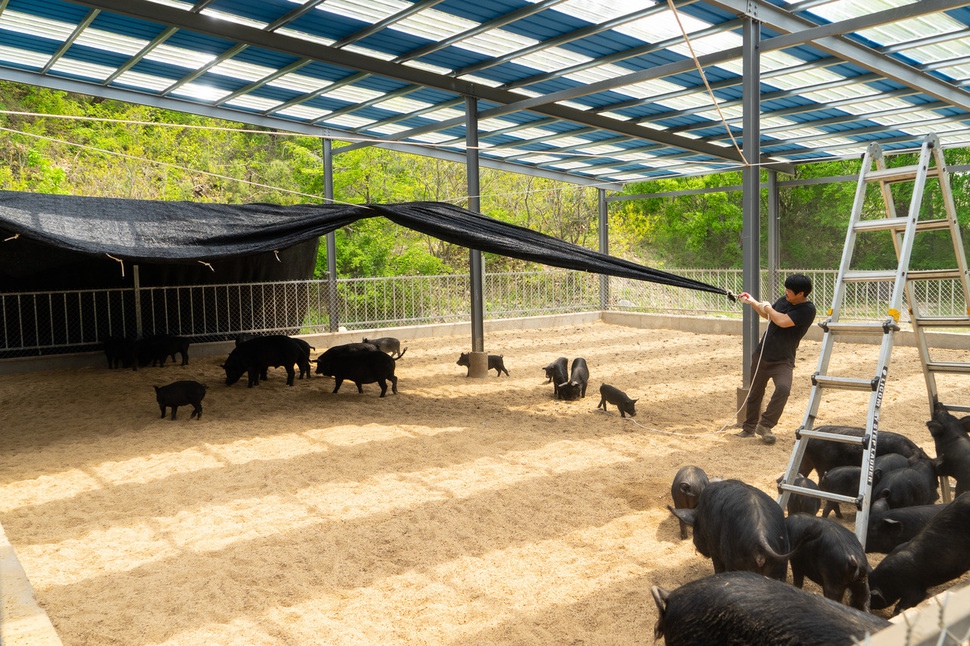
892	526
686	515
635	400
660	598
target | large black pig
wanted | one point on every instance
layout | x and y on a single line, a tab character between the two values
914	485
893	527
823	455
739	527
938	554
364	368
686	489
156	348
835	559
496	362
326	361
181	393
744	608
256	355
578	380
952	446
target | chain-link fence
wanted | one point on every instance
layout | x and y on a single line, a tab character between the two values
35	323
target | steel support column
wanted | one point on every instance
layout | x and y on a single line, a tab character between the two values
751	235
604	240
476	265
774	235
333	311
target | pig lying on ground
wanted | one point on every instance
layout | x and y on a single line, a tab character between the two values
256	355
495	362
181	393
557	373
823	455
893	527
619	399
952	446
389	345
686	488
739	527
578	379
744	608
835	560
938	554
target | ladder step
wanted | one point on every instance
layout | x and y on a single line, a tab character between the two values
900	223
899	174
862	327
866	275
811	433
955	367
942	321
957	408
935	274
818	493
845	383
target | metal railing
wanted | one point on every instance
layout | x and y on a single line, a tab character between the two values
35	323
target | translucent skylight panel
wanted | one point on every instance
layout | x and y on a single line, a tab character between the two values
708	44
596	11
630	177
178	4
390	129
661	26
353	94
496	42
350	121
575	105
23	23
299	83
531	133
23	57
874	104
729	112
956	71
956	48
240	70
844	9
366	10
200	92
303	112
253	102
231	17
301	35
838	93
615	115
421	65
372	53
646	89
402	104
434	25
569	165
539	159
804	79
490	125
481	80
600	150
917	116
433	137
80	68
768	121
686	101
827	142
110	41
641	156
444	114
144	81
551	59
904	31
179	57
770	62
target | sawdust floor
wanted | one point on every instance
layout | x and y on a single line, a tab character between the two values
460	511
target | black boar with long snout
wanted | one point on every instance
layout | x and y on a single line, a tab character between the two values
686	489
361	367
740	527
578	379
744	608
557	373
496	362
938	554
256	355
181	393
835	560
615	396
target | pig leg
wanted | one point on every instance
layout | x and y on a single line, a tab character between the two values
290	375
383	384
393	384
338	380
360	387
196	411
602	403
683	530
162	406
174	409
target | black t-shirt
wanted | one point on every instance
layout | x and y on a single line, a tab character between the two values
782	342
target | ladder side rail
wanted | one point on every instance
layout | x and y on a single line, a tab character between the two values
955	235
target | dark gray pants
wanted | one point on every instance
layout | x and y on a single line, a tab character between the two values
779	372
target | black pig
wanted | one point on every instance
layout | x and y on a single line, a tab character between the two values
744	608
619	399
914	485
495	362
181	393
325	362
686	488
364	368
840	480
121	351
952	446
801	504
578	379
893	527
557	373
938	554
389	345
256	355
823	455
739	527
155	349
835	560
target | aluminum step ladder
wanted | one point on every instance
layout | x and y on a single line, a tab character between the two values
931	165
